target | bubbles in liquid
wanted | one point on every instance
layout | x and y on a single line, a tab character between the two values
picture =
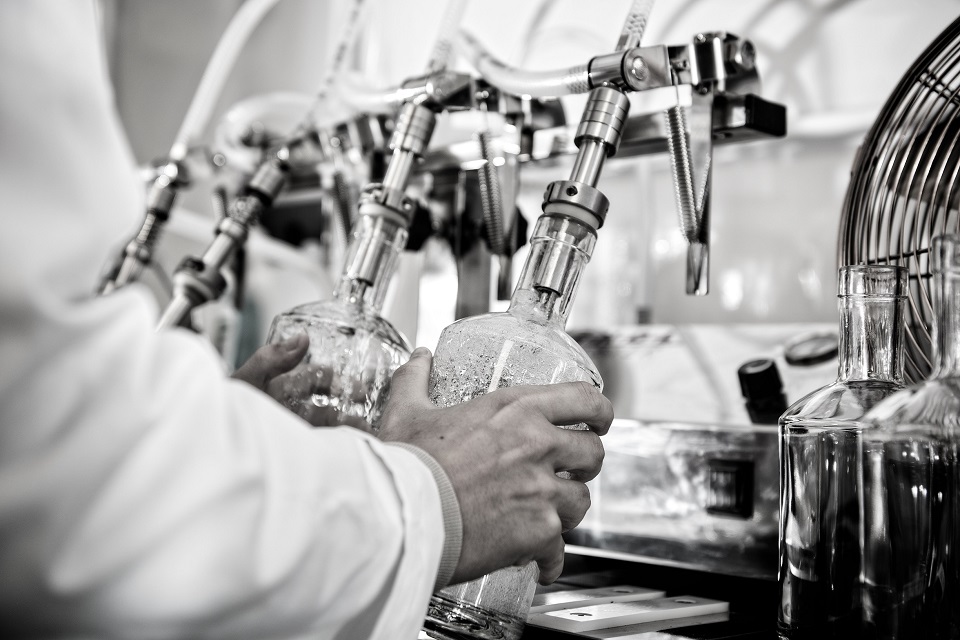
347	370
475	357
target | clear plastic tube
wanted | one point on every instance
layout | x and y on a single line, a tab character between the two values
536	84
361	96
357	13
215	75
449	25
635	24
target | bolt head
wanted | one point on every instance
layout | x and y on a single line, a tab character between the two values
639	69
700	38
746	55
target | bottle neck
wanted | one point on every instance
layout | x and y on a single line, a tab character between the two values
560	247
371	261
946	324
871	337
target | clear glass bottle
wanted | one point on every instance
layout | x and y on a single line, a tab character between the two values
910	526
819	568
525	345
345	376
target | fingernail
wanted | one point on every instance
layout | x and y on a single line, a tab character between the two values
420	352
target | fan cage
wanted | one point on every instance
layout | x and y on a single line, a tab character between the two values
904	187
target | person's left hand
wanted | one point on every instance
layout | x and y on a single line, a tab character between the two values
267	368
272	360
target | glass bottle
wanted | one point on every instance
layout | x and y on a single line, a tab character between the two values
819	568
525	345
910	509
345	376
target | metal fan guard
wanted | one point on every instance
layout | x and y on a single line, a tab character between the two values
904	188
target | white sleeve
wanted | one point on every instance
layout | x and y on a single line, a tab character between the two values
143	494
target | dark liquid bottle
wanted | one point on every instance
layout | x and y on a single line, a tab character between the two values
910	479
819	571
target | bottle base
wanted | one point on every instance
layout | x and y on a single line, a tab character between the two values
449	619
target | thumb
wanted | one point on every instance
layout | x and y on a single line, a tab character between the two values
410	382
271	360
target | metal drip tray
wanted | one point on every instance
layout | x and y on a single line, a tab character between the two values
700	496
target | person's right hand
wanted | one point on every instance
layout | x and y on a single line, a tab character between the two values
502	452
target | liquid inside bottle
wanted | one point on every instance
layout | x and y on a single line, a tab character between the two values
820	465
525	345
911	511
345	376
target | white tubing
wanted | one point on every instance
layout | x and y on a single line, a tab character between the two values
449	26
535	84
635	24
215	75
348	37
359	95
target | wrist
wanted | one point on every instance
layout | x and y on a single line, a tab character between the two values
452	518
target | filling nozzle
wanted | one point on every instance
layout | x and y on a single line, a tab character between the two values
198	280
578	200
138	252
385	210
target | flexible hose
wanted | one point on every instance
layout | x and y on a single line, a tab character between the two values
635	24
357	93
443	47
536	84
358	12
215	75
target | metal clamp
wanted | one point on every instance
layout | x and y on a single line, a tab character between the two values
581	196
636	69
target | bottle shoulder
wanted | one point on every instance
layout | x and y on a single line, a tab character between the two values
320	316
493	350
500	327
931	407
841	401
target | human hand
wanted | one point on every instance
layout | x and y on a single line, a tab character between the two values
502	452
272	360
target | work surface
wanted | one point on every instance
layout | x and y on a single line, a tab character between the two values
752	613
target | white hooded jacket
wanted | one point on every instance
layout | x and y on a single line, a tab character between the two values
142	493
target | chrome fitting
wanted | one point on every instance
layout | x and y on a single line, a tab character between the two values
604	118
377	200
399	215
414	127
268	180
583	202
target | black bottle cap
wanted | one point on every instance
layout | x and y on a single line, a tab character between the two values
759	379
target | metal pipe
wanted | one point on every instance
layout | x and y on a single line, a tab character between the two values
589	162
176	312
399	169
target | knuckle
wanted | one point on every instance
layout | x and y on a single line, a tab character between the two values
589	397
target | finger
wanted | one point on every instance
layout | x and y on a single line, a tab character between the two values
567	403
578	452
551	561
411	381
271	360
573	500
